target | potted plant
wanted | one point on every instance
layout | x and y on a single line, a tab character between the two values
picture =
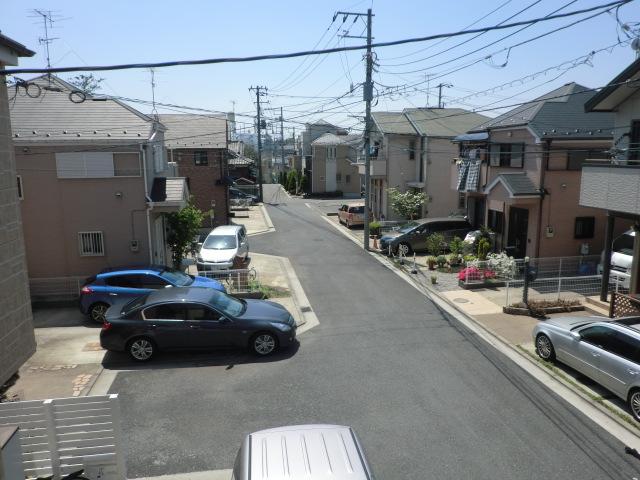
434	279
374	229
431	262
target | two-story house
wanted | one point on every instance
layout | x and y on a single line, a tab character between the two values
312	132
521	174
94	184
612	183
198	144
412	150
334	164
17	341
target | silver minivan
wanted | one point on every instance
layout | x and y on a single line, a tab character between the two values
311	452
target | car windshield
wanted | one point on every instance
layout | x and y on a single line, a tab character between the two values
220	242
176	277
227	304
623	244
359	209
133	305
407	227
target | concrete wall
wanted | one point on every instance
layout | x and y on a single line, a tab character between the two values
318	169
444	200
204	181
400	170
54	211
344	167
17	342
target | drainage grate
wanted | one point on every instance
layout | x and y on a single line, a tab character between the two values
305	309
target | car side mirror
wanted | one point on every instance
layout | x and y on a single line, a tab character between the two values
576	336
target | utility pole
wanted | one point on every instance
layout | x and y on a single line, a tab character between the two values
260	92
368	94
440	86
282	137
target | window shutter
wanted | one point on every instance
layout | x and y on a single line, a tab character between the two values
517	154
494	155
84	165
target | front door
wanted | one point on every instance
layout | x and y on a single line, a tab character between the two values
159	246
518	234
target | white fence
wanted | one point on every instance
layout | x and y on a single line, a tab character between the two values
55	288
241	280
62	435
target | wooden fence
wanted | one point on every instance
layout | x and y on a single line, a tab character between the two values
65	434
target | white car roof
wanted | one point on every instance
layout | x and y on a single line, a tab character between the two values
315	452
225	230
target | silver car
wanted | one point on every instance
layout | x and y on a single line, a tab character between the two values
606	351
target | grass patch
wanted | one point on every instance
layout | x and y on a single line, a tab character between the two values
595	398
268	291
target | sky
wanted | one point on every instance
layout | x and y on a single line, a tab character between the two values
477	75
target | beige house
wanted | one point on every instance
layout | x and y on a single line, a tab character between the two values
17	341
334	164
411	150
95	184
521	173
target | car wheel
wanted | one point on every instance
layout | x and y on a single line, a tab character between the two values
141	349
634	403
264	343
544	347
97	312
404	248
348	224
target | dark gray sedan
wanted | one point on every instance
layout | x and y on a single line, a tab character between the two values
606	351
195	318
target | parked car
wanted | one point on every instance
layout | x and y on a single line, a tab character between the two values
237	194
608	352
621	258
100	291
195	318
412	236
223	247
312	452
351	215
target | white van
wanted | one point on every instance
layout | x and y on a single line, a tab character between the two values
621	258
312	452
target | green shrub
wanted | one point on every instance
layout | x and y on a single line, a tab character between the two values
483	248
441	260
374	228
435	241
456	245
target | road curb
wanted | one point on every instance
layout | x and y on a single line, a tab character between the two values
611	423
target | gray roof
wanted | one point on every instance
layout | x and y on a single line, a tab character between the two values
240	161
53	117
19	49
393	122
518	184
194	131
557	114
443	122
332	139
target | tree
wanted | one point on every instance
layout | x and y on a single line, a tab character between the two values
183	228
86	83
250	152
406	204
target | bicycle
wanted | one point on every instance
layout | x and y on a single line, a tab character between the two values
77	475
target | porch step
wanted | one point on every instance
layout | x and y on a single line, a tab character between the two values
596	305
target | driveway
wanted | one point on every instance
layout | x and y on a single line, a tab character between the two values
427	397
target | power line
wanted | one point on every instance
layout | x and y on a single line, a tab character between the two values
13	71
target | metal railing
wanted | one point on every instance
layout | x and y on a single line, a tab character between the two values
241	280
249	189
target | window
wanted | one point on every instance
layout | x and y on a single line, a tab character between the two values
495	221
624	346
164	312
85	165
200	158
634	141
123	281
91	244
338	177
200	312
152	282
598	335
331	153
347	179
375	149
412	149
577	158
584	227
20	190
506	155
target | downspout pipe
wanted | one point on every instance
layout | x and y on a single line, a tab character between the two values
543	192
149	202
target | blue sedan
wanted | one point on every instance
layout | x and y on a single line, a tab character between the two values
113	284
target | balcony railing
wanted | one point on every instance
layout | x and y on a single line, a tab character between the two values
611	185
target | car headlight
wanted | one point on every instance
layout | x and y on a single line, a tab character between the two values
283	327
199	259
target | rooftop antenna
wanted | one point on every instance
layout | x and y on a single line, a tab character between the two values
154	111
47	20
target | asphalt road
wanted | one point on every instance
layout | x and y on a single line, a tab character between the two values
427	397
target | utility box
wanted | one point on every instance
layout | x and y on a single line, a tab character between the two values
10	454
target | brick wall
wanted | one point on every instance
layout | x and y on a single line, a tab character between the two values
203	181
17	341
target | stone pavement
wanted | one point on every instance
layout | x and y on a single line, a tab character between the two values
255	219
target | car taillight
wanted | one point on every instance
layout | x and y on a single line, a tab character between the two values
106	326
86	290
